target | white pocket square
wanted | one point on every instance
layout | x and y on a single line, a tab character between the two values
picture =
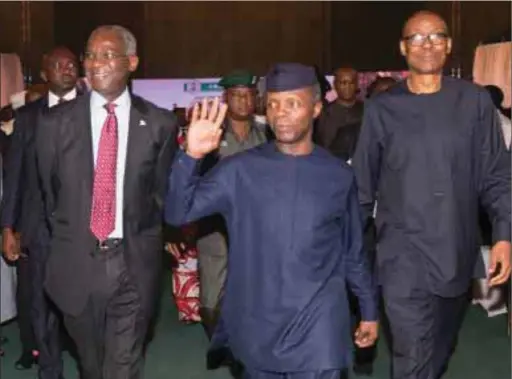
142	123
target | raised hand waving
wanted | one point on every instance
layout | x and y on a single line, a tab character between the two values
205	128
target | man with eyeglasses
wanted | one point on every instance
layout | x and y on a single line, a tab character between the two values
430	151
21	211
103	162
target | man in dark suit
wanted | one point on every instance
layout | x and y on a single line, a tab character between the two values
22	208
103	162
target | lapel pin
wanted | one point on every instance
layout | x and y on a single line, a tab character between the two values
142	123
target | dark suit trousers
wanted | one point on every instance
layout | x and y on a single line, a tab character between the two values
327	374
45	319
110	332
23	304
424	329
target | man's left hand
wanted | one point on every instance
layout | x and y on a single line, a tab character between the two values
367	333
500	256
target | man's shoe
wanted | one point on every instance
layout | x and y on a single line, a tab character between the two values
363	369
236	369
217	358
26	361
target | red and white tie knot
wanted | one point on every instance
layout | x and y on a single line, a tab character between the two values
110	107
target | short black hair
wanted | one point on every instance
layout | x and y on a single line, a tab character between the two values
496	94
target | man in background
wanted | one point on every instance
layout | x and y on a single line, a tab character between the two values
21	213
338	126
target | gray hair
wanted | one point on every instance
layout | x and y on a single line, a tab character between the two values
130	43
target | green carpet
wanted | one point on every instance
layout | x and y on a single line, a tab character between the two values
177	351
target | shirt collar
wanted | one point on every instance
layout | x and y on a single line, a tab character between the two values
123	101
228	128
68	96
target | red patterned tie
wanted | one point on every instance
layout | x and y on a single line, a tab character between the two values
103	213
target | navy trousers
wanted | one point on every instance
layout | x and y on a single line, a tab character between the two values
328	374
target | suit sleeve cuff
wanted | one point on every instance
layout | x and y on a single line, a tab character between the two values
501	232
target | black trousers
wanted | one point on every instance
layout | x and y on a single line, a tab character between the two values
424	329
24	305
45	318
110	332
326	374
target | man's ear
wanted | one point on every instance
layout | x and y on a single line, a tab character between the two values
43	76
133	63
317	109
403	48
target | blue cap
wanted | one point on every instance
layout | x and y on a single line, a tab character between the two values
289	77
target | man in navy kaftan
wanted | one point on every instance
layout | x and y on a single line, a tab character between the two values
295	235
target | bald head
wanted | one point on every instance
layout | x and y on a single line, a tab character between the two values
346	85
414	23
345	71
425	43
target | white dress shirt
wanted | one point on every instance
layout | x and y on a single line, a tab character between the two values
53	99
98	117
506	127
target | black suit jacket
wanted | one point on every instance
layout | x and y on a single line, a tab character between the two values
22	203
65	162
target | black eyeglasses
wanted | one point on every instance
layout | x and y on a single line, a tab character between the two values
106	56
419	39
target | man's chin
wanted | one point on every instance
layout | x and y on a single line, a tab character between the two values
428	70
100	86
286	139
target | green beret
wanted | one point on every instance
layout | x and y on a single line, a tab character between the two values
238	78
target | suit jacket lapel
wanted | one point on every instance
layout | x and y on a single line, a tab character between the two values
136	131
82	123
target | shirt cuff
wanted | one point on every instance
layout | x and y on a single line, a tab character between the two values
369	309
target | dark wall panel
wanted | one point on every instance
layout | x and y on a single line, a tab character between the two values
75	20
366	34
480	21
210	38
39	36
191	39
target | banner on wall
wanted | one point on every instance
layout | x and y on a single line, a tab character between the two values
176	93
183	93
